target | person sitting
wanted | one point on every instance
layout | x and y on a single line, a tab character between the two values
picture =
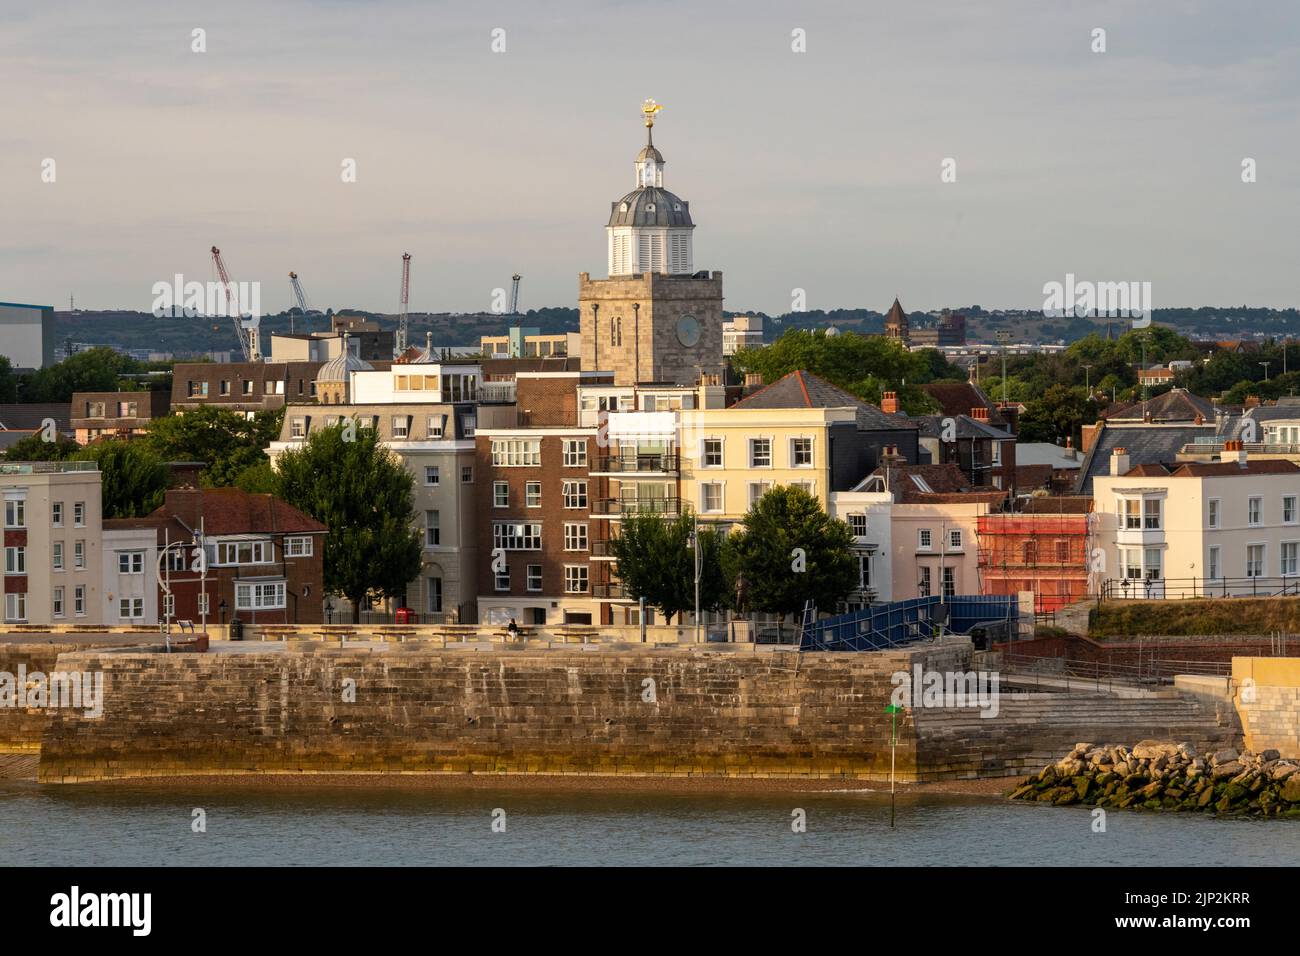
512	629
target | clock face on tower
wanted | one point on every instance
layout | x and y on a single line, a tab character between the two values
688	330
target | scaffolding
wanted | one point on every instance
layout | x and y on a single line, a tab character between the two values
1047	553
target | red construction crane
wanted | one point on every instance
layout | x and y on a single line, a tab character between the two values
399	346
247	335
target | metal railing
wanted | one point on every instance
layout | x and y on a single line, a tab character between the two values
45	467
1103	674
665	463
1178	589
495	392
631	506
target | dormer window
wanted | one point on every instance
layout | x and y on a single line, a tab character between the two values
649	207
622	207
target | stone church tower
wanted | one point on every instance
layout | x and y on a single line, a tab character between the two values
653	319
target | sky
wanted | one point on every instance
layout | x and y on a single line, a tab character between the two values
817	170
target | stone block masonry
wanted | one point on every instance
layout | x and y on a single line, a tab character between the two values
1268	700
422	711
21	727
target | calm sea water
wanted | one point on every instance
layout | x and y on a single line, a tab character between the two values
88	826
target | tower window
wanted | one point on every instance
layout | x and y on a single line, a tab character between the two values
649	207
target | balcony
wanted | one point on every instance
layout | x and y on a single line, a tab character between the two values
609	591
602	548
631	506
1215	449
654	464
46	467
495	392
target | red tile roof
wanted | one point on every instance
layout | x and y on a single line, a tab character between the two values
225	511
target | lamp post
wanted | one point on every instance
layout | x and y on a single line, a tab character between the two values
1087	380
329	609
1004	337
221	609
695	547
1266	365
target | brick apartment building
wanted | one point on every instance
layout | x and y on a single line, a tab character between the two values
98	415
243	386
535	498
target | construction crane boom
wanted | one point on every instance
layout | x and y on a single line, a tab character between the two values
301	296
399	346
514	296
247	334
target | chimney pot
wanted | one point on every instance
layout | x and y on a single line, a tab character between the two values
889	403
1119	461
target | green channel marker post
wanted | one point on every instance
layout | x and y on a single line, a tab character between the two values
893	710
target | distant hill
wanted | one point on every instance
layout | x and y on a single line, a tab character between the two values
140	330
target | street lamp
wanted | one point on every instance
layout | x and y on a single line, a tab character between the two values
329	609
1087	379
695	547
221	608
1003	337
1266	365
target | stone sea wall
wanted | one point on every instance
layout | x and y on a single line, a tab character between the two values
344	710
20	726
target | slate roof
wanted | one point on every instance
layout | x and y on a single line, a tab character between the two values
933	484
958	398
800	389
1175	405
29	417
1146	444
967	427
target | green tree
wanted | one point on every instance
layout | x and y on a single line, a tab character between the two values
226	442
257	479
655	560
865	365
789	551
35	448
1059	414
134	479
94	370
363	494
8	382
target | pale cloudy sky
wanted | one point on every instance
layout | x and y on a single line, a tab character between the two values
818	170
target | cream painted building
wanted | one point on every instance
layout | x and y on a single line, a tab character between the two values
130	576
1230	526
435	443
52	542
869	515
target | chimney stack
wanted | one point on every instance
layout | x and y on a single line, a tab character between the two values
1234	450
980	413
889	403
1119	461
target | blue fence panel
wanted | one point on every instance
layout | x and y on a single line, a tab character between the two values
882	626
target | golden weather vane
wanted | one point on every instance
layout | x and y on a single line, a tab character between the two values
648	109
